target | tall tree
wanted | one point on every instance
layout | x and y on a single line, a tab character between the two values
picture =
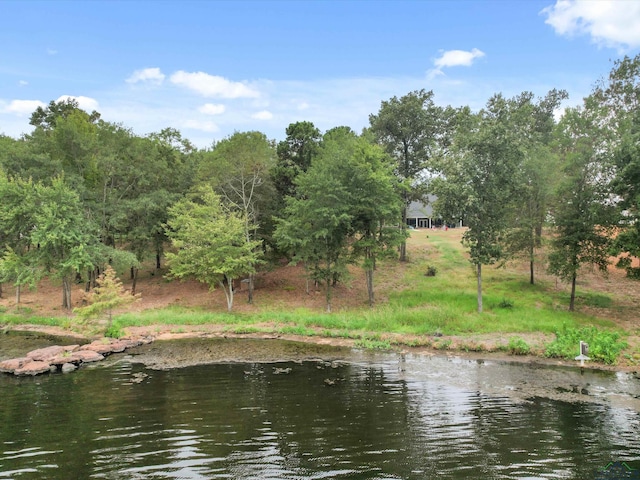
532	123
317	222
239	170
412	129
478	185
585	214
618	100
295	154
375	208
66	241
209	243
17	222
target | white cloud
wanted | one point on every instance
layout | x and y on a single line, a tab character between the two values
609	23
206	126
263	115
213	85
23	83
22	107
148	75
453	58
212	109
51	51
457	58
87	104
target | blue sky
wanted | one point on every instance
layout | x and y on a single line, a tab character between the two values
209	68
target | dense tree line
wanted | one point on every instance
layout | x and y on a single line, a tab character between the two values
78	193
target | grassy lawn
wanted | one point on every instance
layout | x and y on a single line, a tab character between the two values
414	305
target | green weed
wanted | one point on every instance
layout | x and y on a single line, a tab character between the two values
604	346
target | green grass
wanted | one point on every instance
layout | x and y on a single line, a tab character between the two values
418	305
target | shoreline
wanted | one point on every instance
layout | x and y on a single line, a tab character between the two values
214	331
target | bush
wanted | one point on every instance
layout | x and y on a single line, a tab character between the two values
114	331
505	303
603	346
517	346
431	271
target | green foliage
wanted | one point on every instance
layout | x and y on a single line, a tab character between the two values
584	217
210	243
517	346
106	296
604	346
373	343
505	303
114	331
295	154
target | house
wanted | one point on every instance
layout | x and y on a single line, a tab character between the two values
420	215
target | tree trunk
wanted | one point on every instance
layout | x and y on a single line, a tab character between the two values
479	288
573	293
66	293
531	279
131	273
134	277
250	292
18	294
228	291
0	290
157	259
403	245
329	287
369	277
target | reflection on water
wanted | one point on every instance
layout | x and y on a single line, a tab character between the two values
375	417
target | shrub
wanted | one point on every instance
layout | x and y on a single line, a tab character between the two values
431	271
505	303
603	346
517	346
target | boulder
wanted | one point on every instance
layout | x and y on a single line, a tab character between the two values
33	368
107	348
10	366
44	354
68	367
87	356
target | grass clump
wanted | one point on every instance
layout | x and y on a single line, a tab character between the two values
373	343
604	346
517	346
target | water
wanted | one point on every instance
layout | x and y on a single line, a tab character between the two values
328	414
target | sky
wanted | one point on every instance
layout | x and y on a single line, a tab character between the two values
211	68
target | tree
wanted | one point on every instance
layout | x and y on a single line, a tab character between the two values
626	186
239	170
412	129
317	222
46	118
478	185
584	214
17	221
618	101
108	295
532	123
210	243
295	154
375	208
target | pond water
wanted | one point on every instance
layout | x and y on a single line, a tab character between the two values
325	413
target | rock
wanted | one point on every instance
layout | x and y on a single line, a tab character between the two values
44	354
87	356
103	348
10	366
35	367
281	371
68	367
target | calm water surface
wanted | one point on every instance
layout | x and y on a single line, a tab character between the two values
352	415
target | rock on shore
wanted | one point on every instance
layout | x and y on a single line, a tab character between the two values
63	358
